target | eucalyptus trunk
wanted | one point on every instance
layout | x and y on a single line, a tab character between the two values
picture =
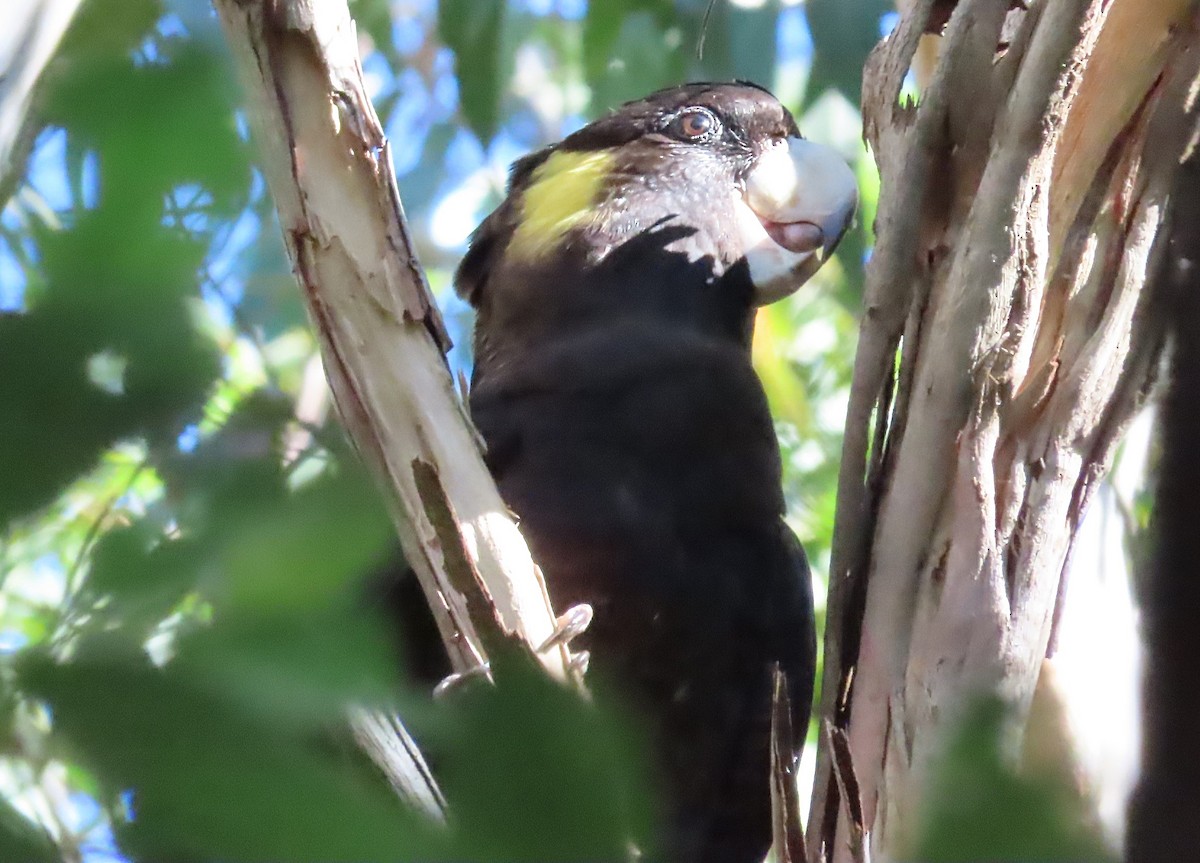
1008	336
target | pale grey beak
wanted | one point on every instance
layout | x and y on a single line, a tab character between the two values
798	201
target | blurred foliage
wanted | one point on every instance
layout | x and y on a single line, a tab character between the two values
22	840
478	29
841	42
184	537
980	809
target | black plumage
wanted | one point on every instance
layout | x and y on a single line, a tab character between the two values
628	431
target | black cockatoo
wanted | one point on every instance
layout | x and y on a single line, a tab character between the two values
616	289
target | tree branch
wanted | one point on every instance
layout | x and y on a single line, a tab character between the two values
328	167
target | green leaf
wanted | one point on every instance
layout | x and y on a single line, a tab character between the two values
752	43
102	29
209	780
844	32
626	51
373	17
305	553
117	281
979	809
54	423
116	284
739	43
475	31
22	840
295	670
532	772
133	584
182	131
852	250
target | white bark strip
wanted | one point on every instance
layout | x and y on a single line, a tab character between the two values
326	162
32	31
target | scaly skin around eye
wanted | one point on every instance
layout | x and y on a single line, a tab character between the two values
696	123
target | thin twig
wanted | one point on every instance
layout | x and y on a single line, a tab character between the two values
786	828
704	29
848	792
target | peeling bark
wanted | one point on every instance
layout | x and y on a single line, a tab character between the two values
382	340
787	832
31	34
1020	210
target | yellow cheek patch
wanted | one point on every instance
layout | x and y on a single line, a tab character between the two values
561	196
